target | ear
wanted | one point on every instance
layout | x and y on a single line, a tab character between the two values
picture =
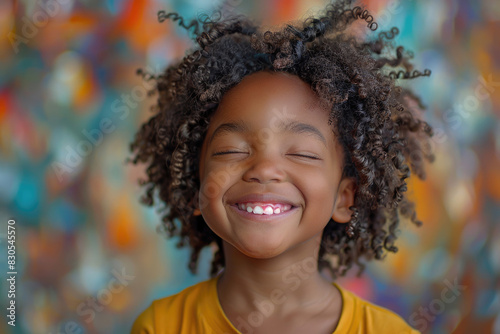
196	212
345	199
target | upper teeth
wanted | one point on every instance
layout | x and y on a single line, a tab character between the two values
264	209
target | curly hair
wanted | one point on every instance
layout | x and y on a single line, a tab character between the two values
376	119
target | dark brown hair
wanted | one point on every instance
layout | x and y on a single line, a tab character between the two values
377	121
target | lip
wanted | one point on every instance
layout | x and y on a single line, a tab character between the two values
265	198
263	217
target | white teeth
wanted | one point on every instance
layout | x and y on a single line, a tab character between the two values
268	210
258	210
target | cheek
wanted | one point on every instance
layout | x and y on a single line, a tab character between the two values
319	184
209	194
319	192
219	177
213	186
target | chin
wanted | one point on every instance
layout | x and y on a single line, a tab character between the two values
260	251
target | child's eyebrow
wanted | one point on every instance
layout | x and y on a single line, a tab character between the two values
287	125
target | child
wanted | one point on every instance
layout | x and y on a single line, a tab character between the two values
287	152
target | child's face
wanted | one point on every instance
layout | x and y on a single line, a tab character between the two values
264	159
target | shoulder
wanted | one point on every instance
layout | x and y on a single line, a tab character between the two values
371	318
144	323
169	310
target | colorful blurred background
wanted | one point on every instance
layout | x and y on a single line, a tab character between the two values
70	103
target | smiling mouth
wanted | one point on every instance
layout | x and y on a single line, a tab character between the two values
264	209
258	216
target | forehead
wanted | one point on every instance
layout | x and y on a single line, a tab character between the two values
266	98
270	90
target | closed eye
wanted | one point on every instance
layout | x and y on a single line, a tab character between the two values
226	152
229	152
306	156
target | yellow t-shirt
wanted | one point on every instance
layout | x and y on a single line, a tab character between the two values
196	309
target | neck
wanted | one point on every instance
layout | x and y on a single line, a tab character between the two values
292	276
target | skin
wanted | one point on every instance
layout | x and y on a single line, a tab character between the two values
274	264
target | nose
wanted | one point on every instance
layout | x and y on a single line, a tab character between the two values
264	168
